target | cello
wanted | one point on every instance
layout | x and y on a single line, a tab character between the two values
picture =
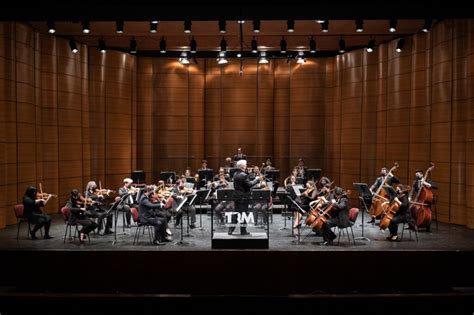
379	198
327	214
392	210
421	206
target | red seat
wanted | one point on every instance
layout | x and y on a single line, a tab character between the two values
353	213
135	215
19	211
66	212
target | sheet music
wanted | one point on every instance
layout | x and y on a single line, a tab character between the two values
297	189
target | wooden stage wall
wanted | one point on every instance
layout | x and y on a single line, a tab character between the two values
69	118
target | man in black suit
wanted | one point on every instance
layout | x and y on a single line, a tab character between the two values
340	218
242	185
239	155
148	216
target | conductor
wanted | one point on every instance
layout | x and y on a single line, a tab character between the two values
242	185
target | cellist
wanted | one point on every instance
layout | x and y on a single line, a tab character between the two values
341	205
402	215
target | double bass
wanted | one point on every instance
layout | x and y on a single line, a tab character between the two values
421	205
379	198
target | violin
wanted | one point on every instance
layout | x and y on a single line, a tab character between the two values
42	195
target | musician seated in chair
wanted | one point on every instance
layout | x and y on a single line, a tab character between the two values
179	193
402	215
96	210
78	214
340	217
129	201
304	200
148	215
32	211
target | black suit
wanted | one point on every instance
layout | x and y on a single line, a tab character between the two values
148	216
242	185
340	218
32	211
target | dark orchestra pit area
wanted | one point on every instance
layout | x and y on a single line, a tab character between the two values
193	274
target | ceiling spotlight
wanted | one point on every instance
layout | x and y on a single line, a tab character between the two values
342	46
370	46
426	27
283	46
133	46
154	21
72	45
392	26
193	46
102	48
239	55
223	45
256	26
320	21
254	46
119	27
222	25
86	27
241	21
312	45
400	44
51	27
325	26
183	59
300	59
187	26
221	59
153	27
163	45
359	26
263	58
291	26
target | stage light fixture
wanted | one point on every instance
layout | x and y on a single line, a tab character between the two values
283	46
300	59
312	45
163	45
342	46
392	28
325	26
187	26
256	26
154	21
400	44
221	59
133	46
426	27
254	46
223	45
72	45
102	47
263	58
359	26
86	29
153	27
291	26
51	27
222	26
193	46
370	46
183	59
119	27
319	21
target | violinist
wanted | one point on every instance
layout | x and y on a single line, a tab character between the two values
267	166
289	181
95	208
221	172
402	215
301	168
32	211
129	193
179	193
78	214
418	183
149	216
340	208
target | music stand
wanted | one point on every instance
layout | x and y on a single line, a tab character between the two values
205	175
364	191
114	208
272	175
300	210
168	177
138	176
180	206
313	174
202	195
261	195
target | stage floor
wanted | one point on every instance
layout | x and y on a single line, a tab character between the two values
447	237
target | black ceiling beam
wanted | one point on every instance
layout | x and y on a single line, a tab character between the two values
169	11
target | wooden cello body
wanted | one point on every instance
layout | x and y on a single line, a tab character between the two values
421	206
